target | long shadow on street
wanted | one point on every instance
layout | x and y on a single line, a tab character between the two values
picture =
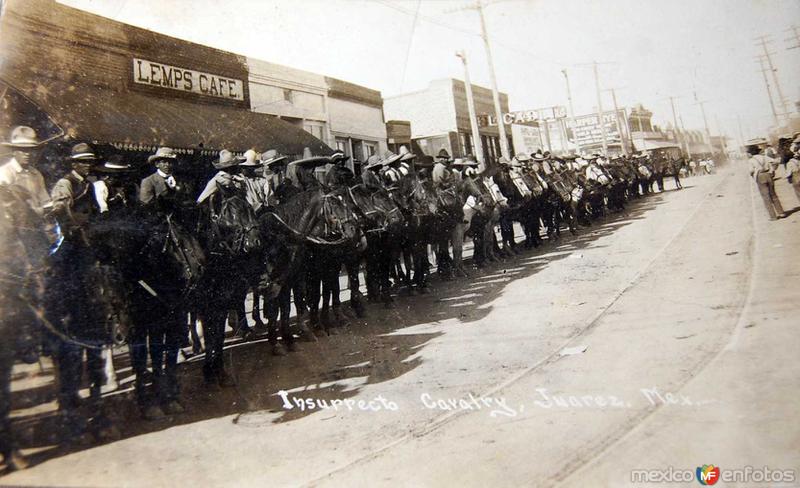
335	367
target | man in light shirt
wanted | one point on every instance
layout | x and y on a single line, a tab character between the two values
19	169
762	169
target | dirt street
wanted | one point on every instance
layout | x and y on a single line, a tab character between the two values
661	337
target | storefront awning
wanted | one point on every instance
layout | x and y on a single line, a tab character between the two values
133	120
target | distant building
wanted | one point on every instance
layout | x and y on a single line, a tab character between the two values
439	118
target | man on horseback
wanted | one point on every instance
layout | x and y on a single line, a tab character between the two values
161	325
22	186
19	170
74	205
160	187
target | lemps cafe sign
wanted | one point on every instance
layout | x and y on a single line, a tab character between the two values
186	80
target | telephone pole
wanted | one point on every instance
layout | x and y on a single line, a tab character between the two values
769	89
705	121
600	110
622	138
473	120
768	56
678	138
504	149
571	112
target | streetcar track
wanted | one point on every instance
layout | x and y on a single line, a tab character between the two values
630	427
554	356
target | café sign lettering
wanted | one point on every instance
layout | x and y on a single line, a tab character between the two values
162	75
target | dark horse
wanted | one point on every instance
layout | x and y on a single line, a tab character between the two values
382	223
328	231
24	244
162	265
233	242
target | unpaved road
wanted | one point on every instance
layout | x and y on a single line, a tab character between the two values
685	312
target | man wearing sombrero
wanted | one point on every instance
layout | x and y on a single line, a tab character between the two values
19	170
225	177
162	183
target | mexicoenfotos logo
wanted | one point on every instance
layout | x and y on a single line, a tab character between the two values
708	474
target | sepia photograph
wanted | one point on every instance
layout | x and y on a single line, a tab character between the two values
399	243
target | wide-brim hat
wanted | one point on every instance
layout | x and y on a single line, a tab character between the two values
443	154
339	157
405	154
389	157
251	159
82	152
538	157
522	157
226	159
22	136
272	158
112	165
311	162
373	162
162	153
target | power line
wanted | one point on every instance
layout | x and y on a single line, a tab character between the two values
410	42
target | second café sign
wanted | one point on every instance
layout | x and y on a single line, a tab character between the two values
162	75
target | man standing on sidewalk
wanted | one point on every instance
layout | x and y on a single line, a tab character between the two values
762	169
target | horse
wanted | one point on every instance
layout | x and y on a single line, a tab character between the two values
25	248
329	231
162	265
382	225
232	239
418	203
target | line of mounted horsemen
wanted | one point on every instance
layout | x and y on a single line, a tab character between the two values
105	259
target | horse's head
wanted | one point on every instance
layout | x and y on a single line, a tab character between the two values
108	301
235	230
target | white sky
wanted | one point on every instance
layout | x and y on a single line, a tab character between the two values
655	48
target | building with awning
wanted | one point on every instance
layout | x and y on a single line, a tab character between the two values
130	89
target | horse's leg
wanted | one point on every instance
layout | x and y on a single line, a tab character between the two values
69	366
353	266
111	383
13	459
213	320
312	280
272	307
335	289
175	330
256	313
457	236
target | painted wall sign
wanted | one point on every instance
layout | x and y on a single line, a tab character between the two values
169	77
531	117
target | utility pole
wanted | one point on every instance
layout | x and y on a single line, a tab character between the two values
600	110
688	146
619	125
741	133
769	89
767	55
705	122
678	139
473	119
571	113
721	135
504	150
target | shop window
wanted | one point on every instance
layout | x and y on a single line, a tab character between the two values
370	149
342	145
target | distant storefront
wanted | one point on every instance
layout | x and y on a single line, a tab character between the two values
439	118
343	115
